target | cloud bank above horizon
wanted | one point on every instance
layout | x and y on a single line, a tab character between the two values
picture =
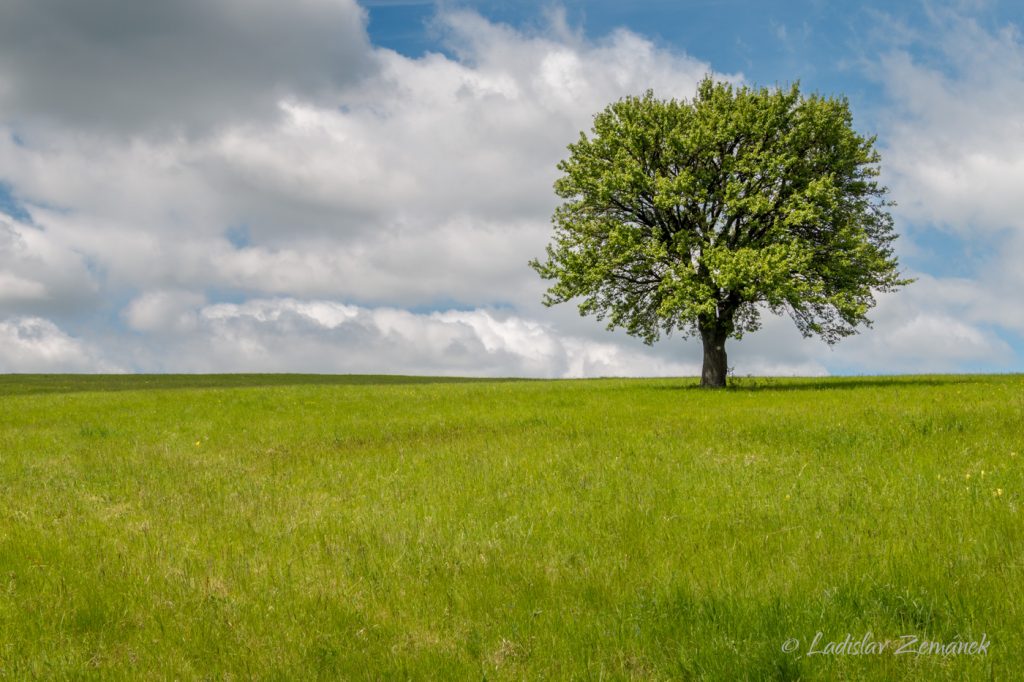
211	187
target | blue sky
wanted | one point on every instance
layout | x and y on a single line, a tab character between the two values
823	44
769	41
341	187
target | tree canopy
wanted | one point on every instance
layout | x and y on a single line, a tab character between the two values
699	215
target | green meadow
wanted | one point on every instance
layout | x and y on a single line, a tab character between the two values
379	528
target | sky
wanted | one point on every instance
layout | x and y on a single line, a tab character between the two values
333	186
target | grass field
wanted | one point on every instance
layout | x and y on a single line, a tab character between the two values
302	527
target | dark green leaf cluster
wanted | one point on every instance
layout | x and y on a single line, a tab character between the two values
698	215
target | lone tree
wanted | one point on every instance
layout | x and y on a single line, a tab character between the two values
699	215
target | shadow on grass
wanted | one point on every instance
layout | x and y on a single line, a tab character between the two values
833	383
31	384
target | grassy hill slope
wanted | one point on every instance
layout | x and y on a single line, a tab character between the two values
389	527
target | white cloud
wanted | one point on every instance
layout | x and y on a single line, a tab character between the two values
316	335
33	344
955	138
38	273
164	311
430	181
934	325
954	157
944	336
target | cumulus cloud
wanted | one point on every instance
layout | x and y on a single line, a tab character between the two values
163	311
955	146
427	184
936	325
933	326
285	334
122	66
33	344
430	181
954	157
38	273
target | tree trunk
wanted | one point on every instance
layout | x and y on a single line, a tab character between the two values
715	361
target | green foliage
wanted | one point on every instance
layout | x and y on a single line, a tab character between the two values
690	215
383	528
